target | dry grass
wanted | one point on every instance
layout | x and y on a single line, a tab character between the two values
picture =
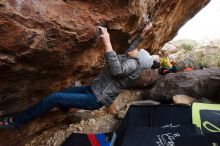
197	56
188	59
211	59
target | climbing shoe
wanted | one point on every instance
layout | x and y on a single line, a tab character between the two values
6	122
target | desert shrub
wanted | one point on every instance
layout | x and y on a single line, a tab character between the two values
199	59
188	46
185	44
215	44
197	55
211	59
188	59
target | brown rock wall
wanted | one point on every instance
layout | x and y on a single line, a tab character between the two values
47	45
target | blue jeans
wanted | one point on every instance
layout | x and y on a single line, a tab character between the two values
74	97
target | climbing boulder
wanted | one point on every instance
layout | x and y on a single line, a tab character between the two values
198	84
147	79
46	46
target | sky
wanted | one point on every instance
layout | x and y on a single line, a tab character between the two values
204	26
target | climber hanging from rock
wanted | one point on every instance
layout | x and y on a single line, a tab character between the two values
119	73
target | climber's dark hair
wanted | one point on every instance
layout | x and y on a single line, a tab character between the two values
155	65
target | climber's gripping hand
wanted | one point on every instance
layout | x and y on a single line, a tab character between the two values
146	29
106	39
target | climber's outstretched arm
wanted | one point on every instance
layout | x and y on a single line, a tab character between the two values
106	39
139	37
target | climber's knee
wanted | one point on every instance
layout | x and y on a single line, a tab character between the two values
52	99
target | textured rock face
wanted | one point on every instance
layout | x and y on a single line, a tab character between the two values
147	79
47	45
198	84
